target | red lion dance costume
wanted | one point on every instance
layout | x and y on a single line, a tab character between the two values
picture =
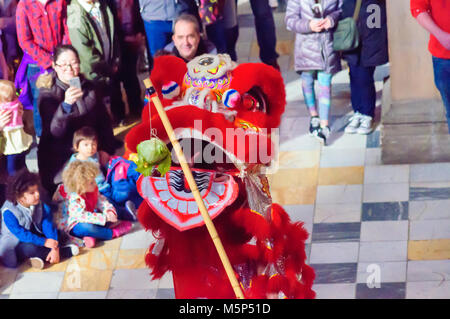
264	247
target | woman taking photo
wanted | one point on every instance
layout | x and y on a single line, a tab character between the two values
66	106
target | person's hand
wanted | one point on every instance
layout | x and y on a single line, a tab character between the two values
53	256
5	118
316	25
111	216
72	95
326	23
51	243
445	40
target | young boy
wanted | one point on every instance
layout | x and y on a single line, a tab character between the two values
27	230
434	15
85	145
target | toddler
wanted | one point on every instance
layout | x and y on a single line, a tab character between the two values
89	212
17	142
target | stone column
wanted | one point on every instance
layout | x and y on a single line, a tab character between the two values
414	128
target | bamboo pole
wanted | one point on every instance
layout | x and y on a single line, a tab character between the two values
193	186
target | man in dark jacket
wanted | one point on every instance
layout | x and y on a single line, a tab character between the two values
371	52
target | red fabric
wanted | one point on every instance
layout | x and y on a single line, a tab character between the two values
440	12
268	255
39	31
91	200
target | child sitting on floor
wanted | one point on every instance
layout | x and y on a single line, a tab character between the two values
27	231
88	210
85	143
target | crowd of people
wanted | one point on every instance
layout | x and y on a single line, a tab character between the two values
64	62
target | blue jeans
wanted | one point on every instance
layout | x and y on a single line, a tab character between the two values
81	230
362	87
265	30
158	34
442	81
23	251
32	71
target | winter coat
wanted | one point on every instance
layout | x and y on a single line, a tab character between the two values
373	48
313	51
58	126
163	10
96	63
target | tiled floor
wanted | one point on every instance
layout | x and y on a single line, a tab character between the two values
376	231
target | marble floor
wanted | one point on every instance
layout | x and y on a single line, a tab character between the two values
376	231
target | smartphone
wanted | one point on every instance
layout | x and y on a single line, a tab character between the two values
75	82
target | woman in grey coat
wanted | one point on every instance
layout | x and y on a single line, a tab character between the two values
314	21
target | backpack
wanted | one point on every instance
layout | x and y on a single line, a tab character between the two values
122	176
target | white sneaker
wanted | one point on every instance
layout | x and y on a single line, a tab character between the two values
36	263
74	249
366	125
354	123
273	3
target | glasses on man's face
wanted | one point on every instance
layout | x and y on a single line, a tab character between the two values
72	65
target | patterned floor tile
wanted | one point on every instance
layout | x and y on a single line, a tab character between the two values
428	290
7	279
43	282
373	139
335	291
166	282
429	229
294	195
336	232
332	253
428	270
335	273
384	230
299	159
435	172
342	157
385	211
339	194
429	191
429	210
285	178
97	259
341	175
131	259
386	291
337	213
83	295
136	278
132	293
165	294
437	249
34	295
373	156
139	239
344	141
383	251
387	271
386	192
386	174
76	280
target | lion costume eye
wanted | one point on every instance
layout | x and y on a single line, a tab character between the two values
255	100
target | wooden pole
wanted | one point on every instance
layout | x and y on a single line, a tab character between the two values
193	186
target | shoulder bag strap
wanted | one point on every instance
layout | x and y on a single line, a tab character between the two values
357	10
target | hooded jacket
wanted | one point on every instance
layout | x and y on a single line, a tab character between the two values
313	50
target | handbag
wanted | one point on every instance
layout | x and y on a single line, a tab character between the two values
346	35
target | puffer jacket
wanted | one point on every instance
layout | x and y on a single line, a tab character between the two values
313	51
